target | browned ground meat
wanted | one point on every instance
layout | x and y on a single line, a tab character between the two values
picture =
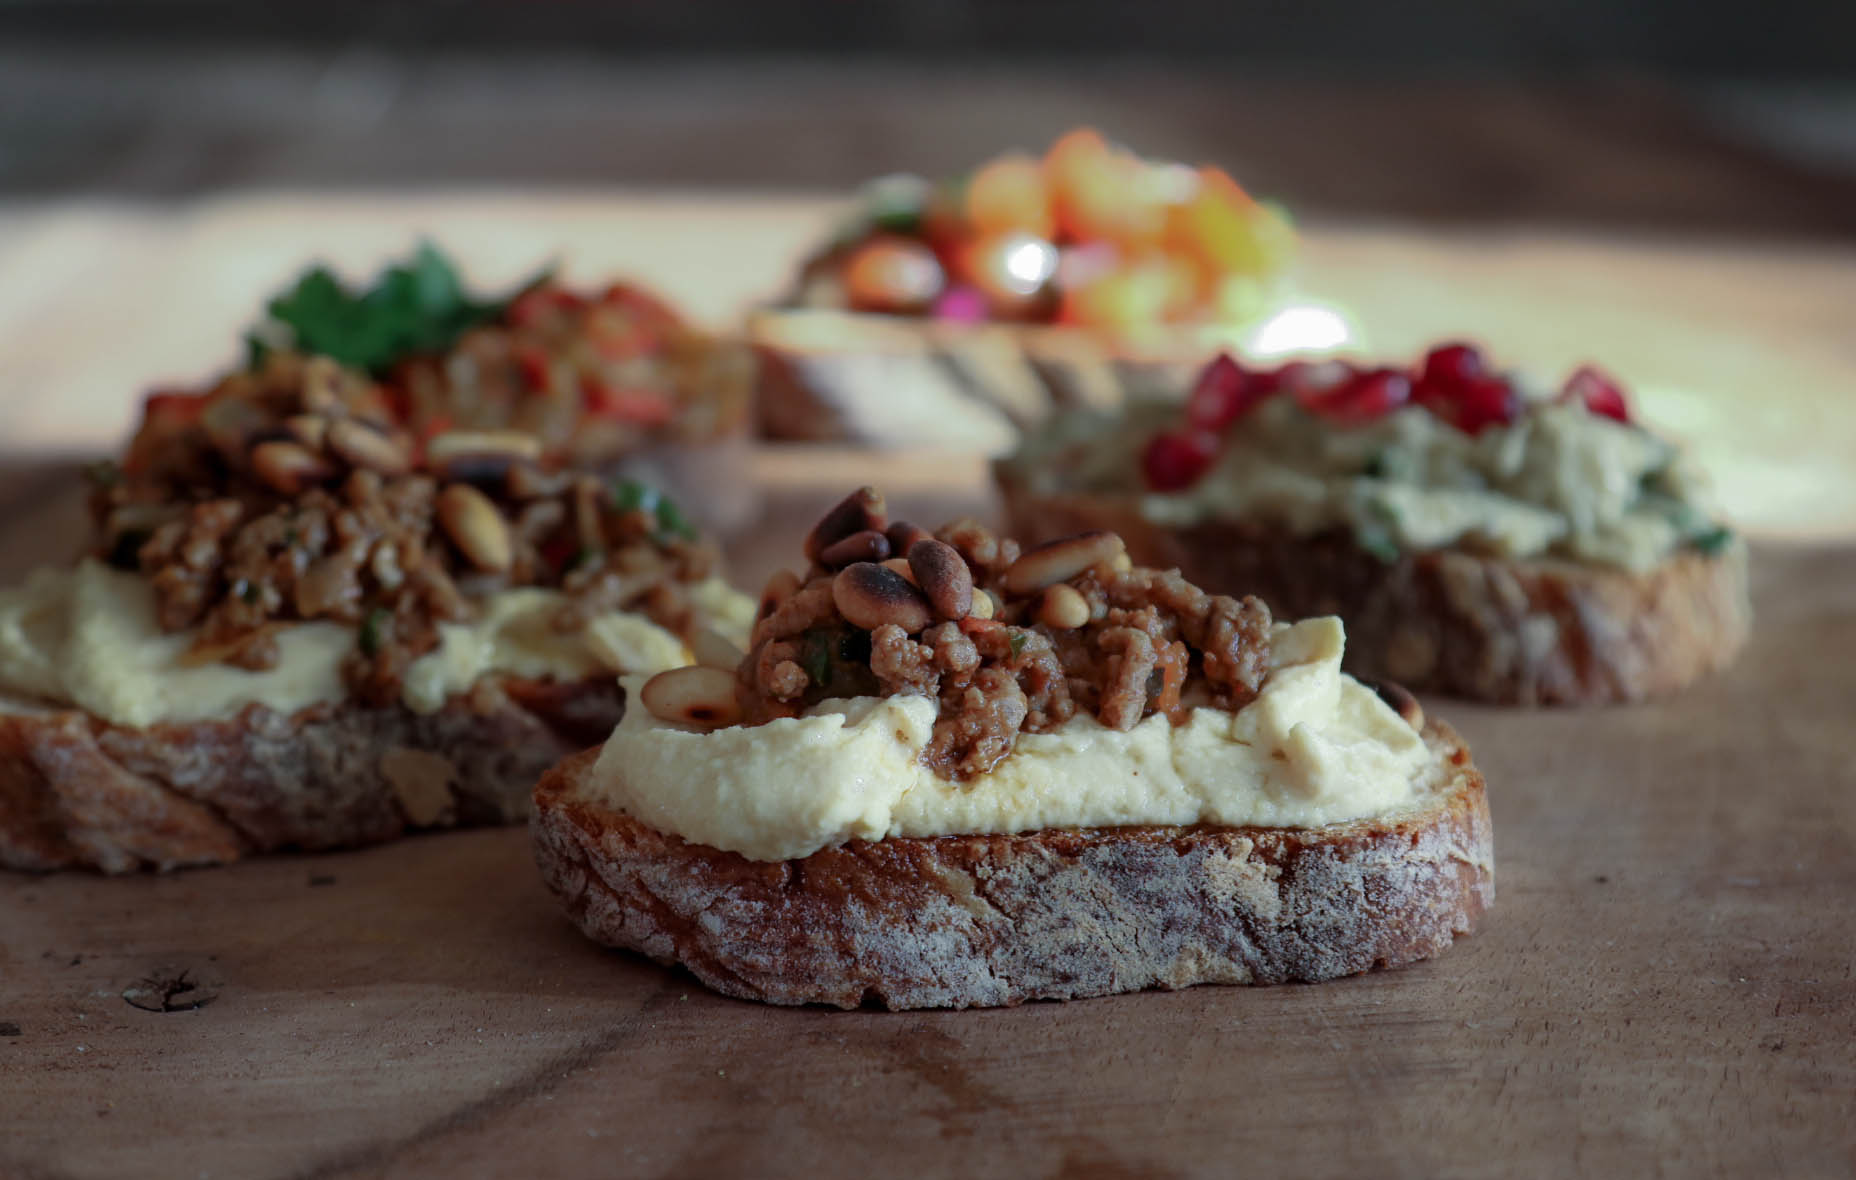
286	498
1119	643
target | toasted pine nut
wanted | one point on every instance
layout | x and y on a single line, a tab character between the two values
869	596
982	606
901	566
476	527
1060	560
1401	700
1063	607
696	696
289	467
943	576
866	545
453	444
363	446
862	509
903	535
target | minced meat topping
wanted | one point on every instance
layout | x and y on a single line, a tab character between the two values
1006	641
289	493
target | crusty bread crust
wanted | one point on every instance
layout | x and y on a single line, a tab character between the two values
77	792
1534	632
974	921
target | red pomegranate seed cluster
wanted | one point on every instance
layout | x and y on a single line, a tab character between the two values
1453	382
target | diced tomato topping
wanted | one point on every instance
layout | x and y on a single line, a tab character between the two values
1597	392
646	407
1222	393
183	407
642	304
1176	459
537	369
536	303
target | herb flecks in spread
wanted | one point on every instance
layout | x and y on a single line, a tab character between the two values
1089	234
292	494
1449	453
1004	641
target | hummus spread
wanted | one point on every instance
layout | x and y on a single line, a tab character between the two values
88	637
1558	481
1315	747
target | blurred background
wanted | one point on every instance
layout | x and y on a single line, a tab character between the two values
1663	115
1669	186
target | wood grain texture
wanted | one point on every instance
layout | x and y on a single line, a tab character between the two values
1665	987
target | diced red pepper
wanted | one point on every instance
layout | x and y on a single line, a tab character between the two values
537	303
179	407
647	407
536	367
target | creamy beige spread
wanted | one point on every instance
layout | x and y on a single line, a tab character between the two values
87	636
1560	480
1315	747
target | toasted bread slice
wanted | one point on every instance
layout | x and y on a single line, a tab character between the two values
76	791
1527	632
886	381
973	921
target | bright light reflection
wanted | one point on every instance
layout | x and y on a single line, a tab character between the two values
1306	327
1029	264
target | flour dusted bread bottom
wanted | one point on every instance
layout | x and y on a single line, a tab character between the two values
965	921
77	792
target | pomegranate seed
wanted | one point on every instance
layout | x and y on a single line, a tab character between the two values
1597	392
1223	392
1452	366
1481	403
1364	396
1176	459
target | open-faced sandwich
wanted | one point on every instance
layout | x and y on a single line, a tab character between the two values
299	628
949	773
957	314
1476	537
614	381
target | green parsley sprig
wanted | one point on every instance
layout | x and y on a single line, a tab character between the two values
419	306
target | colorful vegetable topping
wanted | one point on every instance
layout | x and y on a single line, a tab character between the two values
1090	234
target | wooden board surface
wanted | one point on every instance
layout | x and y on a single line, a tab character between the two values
1664	988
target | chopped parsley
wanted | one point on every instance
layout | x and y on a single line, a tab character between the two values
1713	540
815	657
374	630
419	306
628	495
1018	639
1375	532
